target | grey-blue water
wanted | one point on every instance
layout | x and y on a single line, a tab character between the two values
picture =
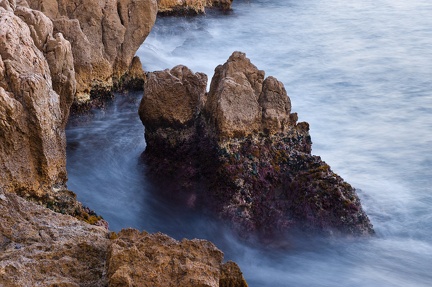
360	72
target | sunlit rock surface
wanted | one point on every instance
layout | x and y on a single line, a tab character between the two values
104	34
32	114
191	7
241	154
142	259
39	247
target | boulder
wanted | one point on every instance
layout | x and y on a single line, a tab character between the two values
241	154
232	105
240	102
141	259
105	35
174	97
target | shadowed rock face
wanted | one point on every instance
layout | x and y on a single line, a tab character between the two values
240	153
105	35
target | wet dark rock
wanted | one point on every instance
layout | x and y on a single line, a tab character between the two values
239	152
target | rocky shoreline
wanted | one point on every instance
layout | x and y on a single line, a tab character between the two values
54	54
40	247
57	57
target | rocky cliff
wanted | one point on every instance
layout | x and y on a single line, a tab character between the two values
33	115
48	58
105	35
239	152
40	247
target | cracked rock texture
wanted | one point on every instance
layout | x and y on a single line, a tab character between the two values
104	34
42	248
238	152
39	247
32	113
142	259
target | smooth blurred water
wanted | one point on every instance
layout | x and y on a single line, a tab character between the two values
360	72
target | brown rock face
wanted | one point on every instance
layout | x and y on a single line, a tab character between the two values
241	102
181	7
32	139
275	105
105	35
232	105
133	79
58	53
142	259
39	247
174	97
231	276
241	144
171	107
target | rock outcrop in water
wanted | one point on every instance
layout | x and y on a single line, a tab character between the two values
39	247
239	152
191	7
105	35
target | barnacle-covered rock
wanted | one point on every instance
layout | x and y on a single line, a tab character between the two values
242	154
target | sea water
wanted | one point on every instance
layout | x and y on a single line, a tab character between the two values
360	72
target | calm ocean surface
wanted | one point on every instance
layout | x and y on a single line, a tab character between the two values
360	72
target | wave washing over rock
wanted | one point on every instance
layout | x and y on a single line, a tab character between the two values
239	152
40	247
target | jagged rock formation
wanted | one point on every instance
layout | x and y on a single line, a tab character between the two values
239	151
38	84
182	7
142	259
104	34
33	115
57	52
39	247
